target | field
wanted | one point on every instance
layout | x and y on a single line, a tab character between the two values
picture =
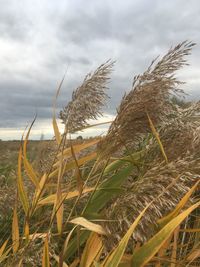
128	199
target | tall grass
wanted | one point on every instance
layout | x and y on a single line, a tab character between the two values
130	198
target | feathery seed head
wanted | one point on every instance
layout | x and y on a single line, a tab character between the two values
87	99
150	93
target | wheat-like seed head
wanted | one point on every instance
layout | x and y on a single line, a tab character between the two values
150	93
88	99
140	193
179	133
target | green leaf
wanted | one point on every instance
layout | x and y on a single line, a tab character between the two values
101	197
116	164
105	191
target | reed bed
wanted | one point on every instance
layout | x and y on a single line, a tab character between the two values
129	198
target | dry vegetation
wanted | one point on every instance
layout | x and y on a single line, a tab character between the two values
130	198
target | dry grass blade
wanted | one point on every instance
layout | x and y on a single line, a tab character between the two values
15	231
45	256
162	251
5	255
58	209
174	248
87	100
77	174
156	134
92	249
56	131
65	196
55	125
164	220
89	225
2	248
28	167
144	254
193	256
77	148
39	192
57	259
70	165
21	190
114	258
26	229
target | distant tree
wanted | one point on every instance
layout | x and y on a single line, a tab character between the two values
41	137
79	138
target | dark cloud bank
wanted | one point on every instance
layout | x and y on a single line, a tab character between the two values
39	40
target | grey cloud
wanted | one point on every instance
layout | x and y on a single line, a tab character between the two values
13	25
81	35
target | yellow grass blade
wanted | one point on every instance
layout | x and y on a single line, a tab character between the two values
64	264
92	248
30	172
192	230
65	196
144	254
4	255
2	248
45	256
55	125
163	250
39	192
89	225
35	236
41	184
56	130
75	263
15	231
77	173
174	248
95	124
21	191
163	221
59	209
58	204
20	263
79	147
156	134
72	164
26	230
27	166
193	256
114	257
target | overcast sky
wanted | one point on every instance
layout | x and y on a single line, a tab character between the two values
40	39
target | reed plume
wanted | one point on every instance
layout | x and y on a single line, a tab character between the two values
180	132
180	174
150	94
88	99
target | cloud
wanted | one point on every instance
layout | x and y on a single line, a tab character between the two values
40	40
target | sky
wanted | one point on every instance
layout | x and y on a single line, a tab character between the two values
41	39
